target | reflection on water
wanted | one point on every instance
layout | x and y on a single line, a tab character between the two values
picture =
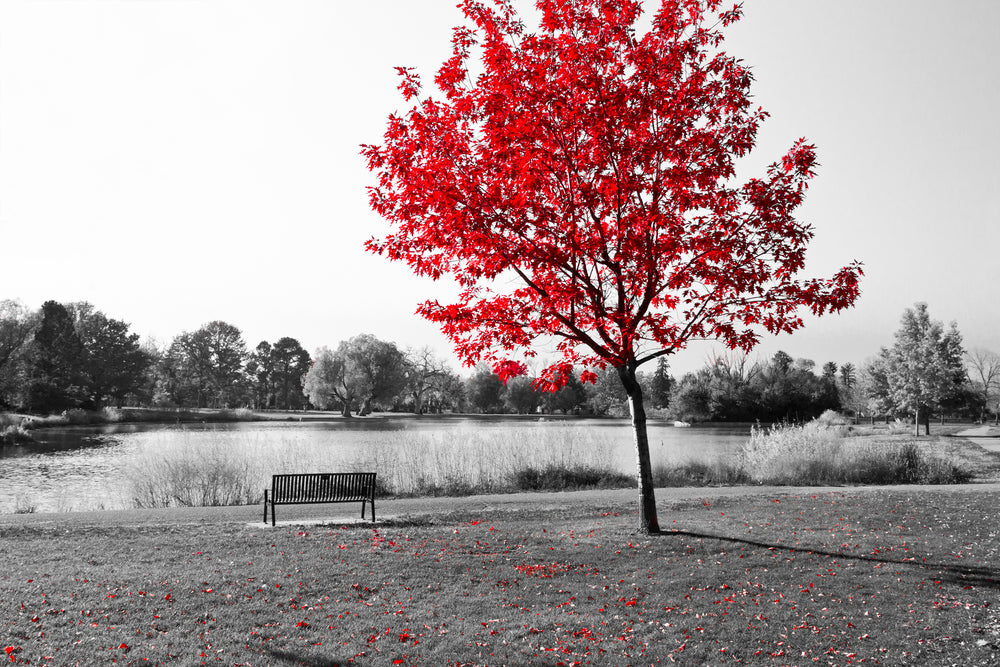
84	468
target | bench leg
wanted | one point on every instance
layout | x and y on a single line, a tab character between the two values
265	507
362	509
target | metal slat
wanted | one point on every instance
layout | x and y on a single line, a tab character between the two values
306	488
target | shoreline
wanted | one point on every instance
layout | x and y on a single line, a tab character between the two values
391	510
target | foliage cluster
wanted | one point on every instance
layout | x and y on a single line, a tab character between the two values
211	367
925	371
66	356
732	388
582	187
73	360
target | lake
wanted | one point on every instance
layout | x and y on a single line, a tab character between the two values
80	468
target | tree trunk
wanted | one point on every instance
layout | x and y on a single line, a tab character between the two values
916	421
647	499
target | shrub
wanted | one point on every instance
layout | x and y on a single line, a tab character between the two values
194	476
78	416
787	454
700	473
23	506
561	478
832	418
12	435
817	454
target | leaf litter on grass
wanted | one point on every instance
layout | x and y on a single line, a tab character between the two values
893	577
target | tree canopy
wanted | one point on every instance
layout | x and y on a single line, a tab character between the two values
581	186
923	370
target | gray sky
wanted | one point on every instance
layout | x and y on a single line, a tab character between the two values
177	162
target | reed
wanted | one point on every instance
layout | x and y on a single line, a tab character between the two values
816	453
234	467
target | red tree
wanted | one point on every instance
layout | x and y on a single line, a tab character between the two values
581	188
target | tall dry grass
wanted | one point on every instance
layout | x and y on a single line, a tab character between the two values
820	453
233	467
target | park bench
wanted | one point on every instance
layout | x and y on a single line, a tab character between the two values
328	487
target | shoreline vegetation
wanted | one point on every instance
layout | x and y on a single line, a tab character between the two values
471	462
235	466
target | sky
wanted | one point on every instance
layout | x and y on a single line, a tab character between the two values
175	162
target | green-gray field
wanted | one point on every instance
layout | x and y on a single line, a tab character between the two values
750	575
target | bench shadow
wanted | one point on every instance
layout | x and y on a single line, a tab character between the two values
980	577
287	657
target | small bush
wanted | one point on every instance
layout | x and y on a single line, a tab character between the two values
700	473
832	418
236	415
449	486
23	506
13	435
188	478
939	471
77	416
562	478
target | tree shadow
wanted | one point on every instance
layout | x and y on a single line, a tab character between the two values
287	657
980	577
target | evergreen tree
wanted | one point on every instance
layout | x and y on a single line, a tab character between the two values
55	369
484	390
923	369
114	361
661	384
520	397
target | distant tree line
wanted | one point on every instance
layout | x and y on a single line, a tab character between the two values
66	356
733	388
926	373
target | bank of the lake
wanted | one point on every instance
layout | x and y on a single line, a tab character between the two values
125	465
121	464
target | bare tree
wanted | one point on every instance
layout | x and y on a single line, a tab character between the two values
425	373
983	369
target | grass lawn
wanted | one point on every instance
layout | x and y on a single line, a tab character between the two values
876	576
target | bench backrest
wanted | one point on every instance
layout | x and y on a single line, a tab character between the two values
323	487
